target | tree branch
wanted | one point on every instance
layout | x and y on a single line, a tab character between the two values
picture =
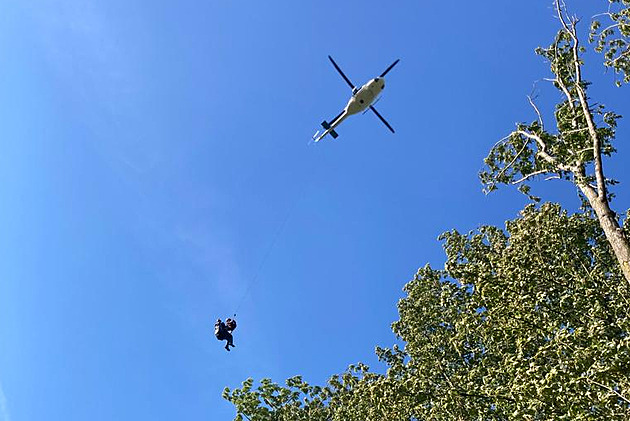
529	176
542	150
501	141
614	25
575	131
562	19
609	389
599	172
540	120
621	55
512	162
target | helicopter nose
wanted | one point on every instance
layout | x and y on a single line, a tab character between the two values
380	82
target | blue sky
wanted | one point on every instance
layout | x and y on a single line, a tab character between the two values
155	174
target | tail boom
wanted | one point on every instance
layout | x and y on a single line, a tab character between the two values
330	127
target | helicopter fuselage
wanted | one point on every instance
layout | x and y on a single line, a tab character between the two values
365	96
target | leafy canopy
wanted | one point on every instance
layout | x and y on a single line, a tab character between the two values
530	322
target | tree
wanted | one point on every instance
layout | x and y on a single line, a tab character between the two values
613	39
527	322
584	133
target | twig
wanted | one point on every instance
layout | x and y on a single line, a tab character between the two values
562	20
564	89
529	176
621	55
609	389
513	161
575	131
607	28
540	120
502	140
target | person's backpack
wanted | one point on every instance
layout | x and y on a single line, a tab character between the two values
219	331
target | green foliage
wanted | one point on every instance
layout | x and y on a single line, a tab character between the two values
530	322
613	39
567	152
555	317
301	401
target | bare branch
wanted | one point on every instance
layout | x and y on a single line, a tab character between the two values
528	176
622	55
608	27
575	131
602	14
504	139
540	120
511	163
563	87
599	173
537	138
566	93
559	9
543	153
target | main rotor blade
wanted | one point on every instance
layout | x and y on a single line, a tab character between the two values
381	117
389	68
340	72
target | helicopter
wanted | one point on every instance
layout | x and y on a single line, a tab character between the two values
362	99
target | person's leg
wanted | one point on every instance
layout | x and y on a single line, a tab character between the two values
230	339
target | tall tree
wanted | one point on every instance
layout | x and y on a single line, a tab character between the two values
583	132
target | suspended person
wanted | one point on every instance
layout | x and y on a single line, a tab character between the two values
223	331
230	324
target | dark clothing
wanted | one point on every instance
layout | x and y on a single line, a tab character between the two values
229	338
223	334
230	324
220	330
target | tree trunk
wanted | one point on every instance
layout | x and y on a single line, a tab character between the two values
614	233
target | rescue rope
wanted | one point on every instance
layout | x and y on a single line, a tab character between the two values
265	257
275	238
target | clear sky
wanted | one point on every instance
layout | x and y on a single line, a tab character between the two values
156	173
